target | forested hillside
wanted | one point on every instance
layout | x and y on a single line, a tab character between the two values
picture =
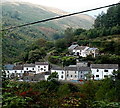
27	49
13	14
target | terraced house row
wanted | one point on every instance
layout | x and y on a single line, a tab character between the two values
42	70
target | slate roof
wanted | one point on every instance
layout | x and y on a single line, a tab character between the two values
8	67
18	67
54	67
81	47
29	65
36	77
41	63
73	46
104	66
84	69
71	68
90	49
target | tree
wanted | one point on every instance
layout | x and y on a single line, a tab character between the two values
79	31
61	44
53	76
36	55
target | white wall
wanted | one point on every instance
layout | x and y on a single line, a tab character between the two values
41	68
46	77
15	72
61	74
29	68
101	73
71	75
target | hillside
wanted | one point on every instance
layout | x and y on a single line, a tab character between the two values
21	13
14	13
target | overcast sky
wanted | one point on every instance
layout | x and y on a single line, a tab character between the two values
73	5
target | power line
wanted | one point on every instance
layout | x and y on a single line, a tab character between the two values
58	17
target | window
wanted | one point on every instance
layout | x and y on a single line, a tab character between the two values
75	76
81	76
33	68
105	70
71	75
67	75
97	75
81	72
38	66
15	71
8	71
44	66
26	68
75	72
97	70
41	68
67	71
61	76
62	72
44	69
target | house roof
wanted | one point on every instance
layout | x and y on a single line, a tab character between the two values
82	64
84	69
41	63
81	47
54	67
104	66
71	68
36	77
73	46
8	67
18	67
90	49
29	65
39	76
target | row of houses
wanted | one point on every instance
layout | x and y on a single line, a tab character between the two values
78	72
83	51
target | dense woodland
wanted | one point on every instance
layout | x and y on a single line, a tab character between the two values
92	94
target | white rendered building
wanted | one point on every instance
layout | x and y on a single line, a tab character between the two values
101	71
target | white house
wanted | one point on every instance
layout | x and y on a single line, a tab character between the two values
82	72
101	71
60	71
41	67
83	51
93	51
71	73
80	51
29	68
16	71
